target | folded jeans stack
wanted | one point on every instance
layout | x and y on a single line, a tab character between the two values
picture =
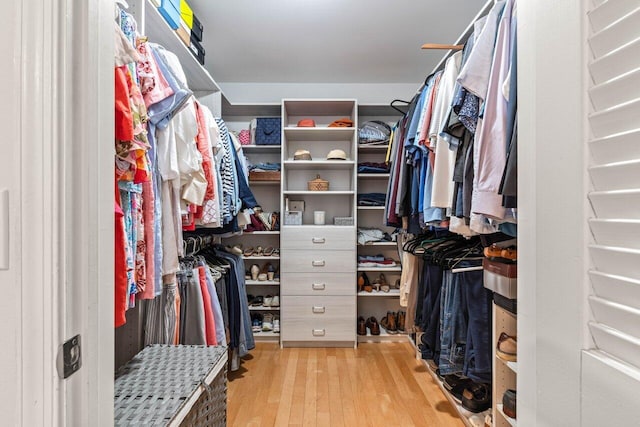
372	199
371	167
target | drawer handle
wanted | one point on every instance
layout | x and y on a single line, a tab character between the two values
318	310
318	286
318	239
318	263
318	332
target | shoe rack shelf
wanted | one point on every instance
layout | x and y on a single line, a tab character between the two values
261	283
249	258
381	269
370	208
512	422
383	337
393	293
505	373
263	308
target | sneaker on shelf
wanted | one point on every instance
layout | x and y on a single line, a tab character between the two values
267	322
507	348
509	403
476	397
275	301
268	301
256	325
276	325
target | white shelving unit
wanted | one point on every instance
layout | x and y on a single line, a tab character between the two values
319	260
505	374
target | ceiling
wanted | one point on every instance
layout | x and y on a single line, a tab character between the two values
328	41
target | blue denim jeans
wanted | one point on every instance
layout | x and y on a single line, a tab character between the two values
477	301
429	314
453	328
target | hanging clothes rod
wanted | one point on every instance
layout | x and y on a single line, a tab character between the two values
437	46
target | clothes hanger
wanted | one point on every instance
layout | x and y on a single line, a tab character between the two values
392	105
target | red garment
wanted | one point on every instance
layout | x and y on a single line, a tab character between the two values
121	281
124	116
209	320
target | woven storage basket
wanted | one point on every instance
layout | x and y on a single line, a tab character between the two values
264	176
161	382
318	184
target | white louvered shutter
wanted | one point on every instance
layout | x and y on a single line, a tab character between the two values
614	146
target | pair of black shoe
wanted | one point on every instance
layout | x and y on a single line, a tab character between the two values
474	396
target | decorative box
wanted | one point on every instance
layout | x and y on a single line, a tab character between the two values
318	184
196	49
292	218
170	11
343	220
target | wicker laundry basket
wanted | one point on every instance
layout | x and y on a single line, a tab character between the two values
173	386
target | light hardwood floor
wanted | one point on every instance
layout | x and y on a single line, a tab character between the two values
376	385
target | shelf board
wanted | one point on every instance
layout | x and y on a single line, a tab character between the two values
261	148
266	336
373	148
373	175
383	337
263	183
262	283
510	420
261	232
261	257
511	365
319	134
158	31
379	244
263	308
393	293
381	269
319	193
319	164
370	208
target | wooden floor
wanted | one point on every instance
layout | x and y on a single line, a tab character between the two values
379	384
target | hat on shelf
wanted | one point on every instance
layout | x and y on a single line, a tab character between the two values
302	155
344	122
306	123
337	155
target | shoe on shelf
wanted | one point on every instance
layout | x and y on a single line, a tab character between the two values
259	251
276	275
271	271
257	301
363	283
509	403
247	275
268	251
275	301
476	397
248	251
361	326
507	348
373	325
264	273
235	249
276	325
268	300
389	323
396	284
276	252
510	253
256	322
255	270
493	251
267	322
382	283
400	320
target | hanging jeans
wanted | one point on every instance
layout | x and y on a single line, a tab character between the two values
192	319
430	312
477	300
453	328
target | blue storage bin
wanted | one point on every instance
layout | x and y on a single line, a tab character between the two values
170	11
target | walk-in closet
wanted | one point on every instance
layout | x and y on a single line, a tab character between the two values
324	214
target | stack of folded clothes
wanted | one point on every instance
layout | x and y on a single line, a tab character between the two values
371	167
369	235
265	167
375	261
371	199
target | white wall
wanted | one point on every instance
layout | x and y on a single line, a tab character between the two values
551	203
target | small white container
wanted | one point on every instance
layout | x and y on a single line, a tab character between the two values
318	217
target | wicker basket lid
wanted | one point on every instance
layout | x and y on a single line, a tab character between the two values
319	180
